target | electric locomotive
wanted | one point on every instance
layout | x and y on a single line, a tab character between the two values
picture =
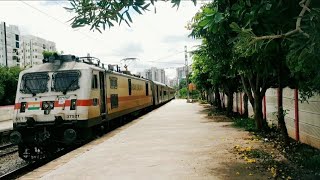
59	102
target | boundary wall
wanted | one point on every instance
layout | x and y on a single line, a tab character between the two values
302	118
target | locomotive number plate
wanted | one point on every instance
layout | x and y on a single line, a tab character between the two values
73	116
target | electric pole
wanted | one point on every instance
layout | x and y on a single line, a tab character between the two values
5	43
187	79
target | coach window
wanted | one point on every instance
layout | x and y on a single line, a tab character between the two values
94	84
147	89
129	86
113	82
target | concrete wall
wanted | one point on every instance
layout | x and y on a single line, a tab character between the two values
6	113
308	128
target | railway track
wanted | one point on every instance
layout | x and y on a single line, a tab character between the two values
8	149
16	172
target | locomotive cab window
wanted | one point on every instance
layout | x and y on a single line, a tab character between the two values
33	83
66	81
94	84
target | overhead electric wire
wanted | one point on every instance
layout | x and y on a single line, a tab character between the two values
56	19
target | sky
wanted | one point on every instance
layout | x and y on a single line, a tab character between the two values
154	39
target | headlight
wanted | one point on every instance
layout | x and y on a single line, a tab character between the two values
51	104
23	107
47	105
73	104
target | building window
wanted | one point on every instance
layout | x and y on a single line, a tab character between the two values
35	56
17	45
113	82
129	86
94	84
17	37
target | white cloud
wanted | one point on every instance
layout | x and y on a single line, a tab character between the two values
151	37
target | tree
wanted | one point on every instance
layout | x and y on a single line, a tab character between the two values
106	13
266	42
215	52
47	54
8	84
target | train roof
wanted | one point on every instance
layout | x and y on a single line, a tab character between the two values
50	67
73	63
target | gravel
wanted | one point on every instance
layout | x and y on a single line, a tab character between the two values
10	162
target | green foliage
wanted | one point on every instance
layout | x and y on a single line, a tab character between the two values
8	84
182	84
312	162
304	58
47	54
183	92
195	94
99	14
247	123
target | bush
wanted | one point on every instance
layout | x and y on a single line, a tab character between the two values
183	92
246	123
8	84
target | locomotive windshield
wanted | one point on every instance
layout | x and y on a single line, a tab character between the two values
65	81
33	83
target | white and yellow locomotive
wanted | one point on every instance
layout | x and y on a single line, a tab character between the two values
60	101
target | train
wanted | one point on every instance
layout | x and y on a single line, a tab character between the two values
61	102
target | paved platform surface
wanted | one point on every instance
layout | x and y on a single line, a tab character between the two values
6	125
175	141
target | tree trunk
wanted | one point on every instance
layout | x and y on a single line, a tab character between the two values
281	121
258	117
207	95
245	104
281	115
230	104
217	99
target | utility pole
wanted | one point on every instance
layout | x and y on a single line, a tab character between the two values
5	43
187	79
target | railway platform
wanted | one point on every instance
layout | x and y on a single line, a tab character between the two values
6	125
6	113
175	141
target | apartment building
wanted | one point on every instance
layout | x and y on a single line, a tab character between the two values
10	42
32	48
154	74
181	73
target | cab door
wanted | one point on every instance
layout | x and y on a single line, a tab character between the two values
102	93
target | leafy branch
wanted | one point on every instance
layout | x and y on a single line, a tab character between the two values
305	7
108	12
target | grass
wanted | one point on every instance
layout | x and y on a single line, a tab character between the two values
307	156
247	123
312	162
203	101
